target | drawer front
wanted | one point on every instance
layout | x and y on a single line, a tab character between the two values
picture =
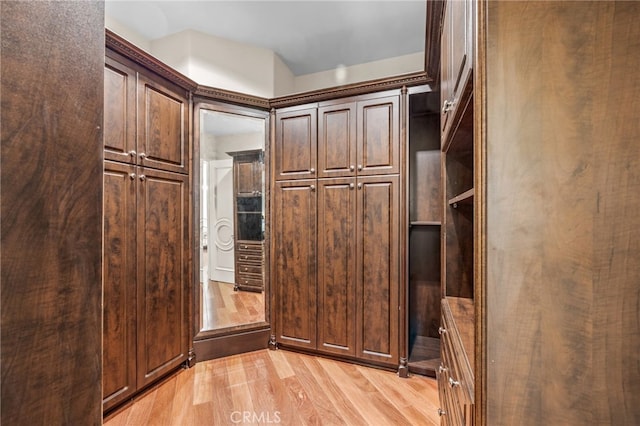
248	258
249	282
455	380
249	269
244	247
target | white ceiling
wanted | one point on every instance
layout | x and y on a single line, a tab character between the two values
309	36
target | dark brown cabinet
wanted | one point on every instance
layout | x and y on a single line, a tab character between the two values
145	271
359	137
456	370
337	259
248	198
146	230
378	269
119	277
295	147
153	132
294	262
337	289
456	61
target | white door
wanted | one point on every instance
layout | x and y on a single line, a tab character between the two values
220	225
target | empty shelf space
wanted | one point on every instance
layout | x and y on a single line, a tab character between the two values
464	198
425	356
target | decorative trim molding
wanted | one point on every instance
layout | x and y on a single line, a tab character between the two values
134	53
233	97
413	79
435	15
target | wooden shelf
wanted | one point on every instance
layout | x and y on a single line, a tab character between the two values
425	223
425	356
464	198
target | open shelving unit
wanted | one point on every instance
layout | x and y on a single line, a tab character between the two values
425	219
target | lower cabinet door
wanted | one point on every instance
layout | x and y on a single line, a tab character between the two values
119	277
337	266
378	269
294	262
163	235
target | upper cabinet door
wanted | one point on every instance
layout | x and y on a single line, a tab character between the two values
378	136
295	147
456	60
337	140
163	119
119	112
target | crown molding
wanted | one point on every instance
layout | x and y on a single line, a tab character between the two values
139	56
412	79
232	97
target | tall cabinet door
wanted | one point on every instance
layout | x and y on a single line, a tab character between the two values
295	147
119	275
378	271
337	140
294	254
119	112
162	126
378	136
162	273
336	265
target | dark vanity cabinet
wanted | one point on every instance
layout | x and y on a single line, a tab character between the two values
248	198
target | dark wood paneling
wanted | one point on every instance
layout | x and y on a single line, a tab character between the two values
337	140
119	112
424	281
52	71
231	344
162	272
163	125
562	223
294	262
378	268
336	265
378	136
296	144
119	275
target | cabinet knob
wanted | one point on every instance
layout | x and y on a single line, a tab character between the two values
359	167
352	167
312	170
132	176
442	369
143	156
143	178
351	186
441	330
313	187
441	412
446	107
132	153
453	383
359	186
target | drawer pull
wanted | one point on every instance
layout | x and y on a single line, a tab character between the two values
442	330
441	412
453	383
442	369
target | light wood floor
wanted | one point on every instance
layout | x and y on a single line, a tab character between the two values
223	307
287	388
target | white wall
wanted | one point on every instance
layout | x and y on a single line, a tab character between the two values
127	33
225	64
362	72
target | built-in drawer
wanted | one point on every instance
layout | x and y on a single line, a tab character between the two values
247	268
455	377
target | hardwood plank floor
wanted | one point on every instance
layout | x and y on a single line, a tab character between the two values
287	388
223	307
